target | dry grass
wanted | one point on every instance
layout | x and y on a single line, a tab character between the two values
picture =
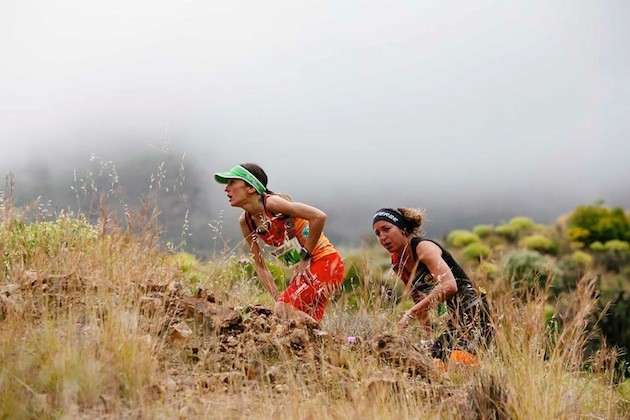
97	321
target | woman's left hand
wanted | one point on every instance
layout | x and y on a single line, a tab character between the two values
303	270
403	322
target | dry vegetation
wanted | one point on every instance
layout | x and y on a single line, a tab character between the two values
96	321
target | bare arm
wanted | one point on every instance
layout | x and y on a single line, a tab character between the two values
265	276
423	317
446	286
316	218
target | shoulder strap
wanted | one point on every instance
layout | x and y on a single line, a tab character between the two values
287	220
414	244
394	260
279	216
248	217
250	222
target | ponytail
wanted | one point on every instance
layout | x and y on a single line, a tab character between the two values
413	220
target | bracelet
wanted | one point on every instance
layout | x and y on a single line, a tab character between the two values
409	315
305	254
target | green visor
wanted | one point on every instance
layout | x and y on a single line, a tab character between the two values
238	172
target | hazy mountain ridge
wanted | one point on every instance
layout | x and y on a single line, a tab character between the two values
194	212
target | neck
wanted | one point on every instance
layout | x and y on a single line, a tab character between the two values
253	205
405	252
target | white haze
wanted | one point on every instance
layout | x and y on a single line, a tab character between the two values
473	106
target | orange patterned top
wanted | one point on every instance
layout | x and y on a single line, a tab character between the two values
283	228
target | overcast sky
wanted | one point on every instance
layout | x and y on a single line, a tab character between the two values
444	98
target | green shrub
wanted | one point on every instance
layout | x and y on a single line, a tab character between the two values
461	237
483	231
242	268
521	223
597	246
192	275
578	234
624	389
19	241
538	242
615	245
354	271
476	251
487	269
617	254
588	224
573	267
505	230
526	268
550	312
613	254
582	259
185	261
615	324
364	282
515	228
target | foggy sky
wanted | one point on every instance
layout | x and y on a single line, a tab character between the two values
383	102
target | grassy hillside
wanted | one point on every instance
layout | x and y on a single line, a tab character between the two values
97	320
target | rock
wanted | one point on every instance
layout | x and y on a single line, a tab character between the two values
215	316
259	310
404	352
379	386
254	370
180	331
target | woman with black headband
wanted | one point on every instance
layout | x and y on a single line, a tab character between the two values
434	280
295	231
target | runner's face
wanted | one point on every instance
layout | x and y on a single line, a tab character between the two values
237	192
390	236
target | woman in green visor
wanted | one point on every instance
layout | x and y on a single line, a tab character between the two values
294	231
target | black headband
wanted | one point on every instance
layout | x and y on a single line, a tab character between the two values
391	216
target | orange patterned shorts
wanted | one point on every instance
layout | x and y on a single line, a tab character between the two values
311	298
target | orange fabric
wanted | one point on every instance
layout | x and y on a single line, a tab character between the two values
287	227
462	356
312	298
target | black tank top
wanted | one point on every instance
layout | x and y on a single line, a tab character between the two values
423	281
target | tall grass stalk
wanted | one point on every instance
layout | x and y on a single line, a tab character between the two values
537	368
87	313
